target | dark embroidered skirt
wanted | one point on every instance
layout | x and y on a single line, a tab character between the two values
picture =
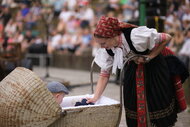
160	93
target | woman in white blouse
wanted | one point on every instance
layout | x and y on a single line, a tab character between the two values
147	80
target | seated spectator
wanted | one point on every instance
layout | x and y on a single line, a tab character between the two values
184	53
11	27
130	10
177	40
66	42
24	9
54	42
5	15
38	46
10	3
86	15
58	90
36	9
19	20
57	6
172	23
186	18
30	20
85	42
64	18
28	40
113	5
18	37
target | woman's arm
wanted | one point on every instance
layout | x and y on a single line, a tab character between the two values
165	38
101	85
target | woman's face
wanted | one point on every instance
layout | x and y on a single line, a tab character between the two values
107	43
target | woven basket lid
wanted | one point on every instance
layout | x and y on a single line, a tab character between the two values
25	101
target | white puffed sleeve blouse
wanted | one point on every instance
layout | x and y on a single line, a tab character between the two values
142	38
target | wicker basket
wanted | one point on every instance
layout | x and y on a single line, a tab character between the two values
105	113
25	101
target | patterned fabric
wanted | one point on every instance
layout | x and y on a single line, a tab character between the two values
108	27
180	95
104	73
166	51
159	91
163	37
154	115
141	101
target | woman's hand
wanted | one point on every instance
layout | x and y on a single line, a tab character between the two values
140	60
143	59
91	100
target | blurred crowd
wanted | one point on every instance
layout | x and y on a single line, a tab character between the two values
66	26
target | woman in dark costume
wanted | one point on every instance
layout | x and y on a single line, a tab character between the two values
150	82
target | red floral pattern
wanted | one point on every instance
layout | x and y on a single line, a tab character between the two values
108	27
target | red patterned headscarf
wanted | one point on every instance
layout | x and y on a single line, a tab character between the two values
110	27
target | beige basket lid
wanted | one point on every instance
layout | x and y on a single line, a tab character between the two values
25	101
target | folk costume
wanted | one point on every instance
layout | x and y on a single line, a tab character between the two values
152	91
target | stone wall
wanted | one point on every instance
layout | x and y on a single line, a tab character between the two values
71	61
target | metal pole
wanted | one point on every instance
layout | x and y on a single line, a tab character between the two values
91	77
142	12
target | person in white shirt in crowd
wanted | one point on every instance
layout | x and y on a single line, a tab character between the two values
11	26
54	42
86	14
64	17
172	23
86	40
186	17
184	52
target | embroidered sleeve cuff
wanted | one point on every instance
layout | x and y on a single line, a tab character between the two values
162	37
104	73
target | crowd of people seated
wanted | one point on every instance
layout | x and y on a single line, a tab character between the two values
66	26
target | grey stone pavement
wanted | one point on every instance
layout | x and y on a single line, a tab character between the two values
79	82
